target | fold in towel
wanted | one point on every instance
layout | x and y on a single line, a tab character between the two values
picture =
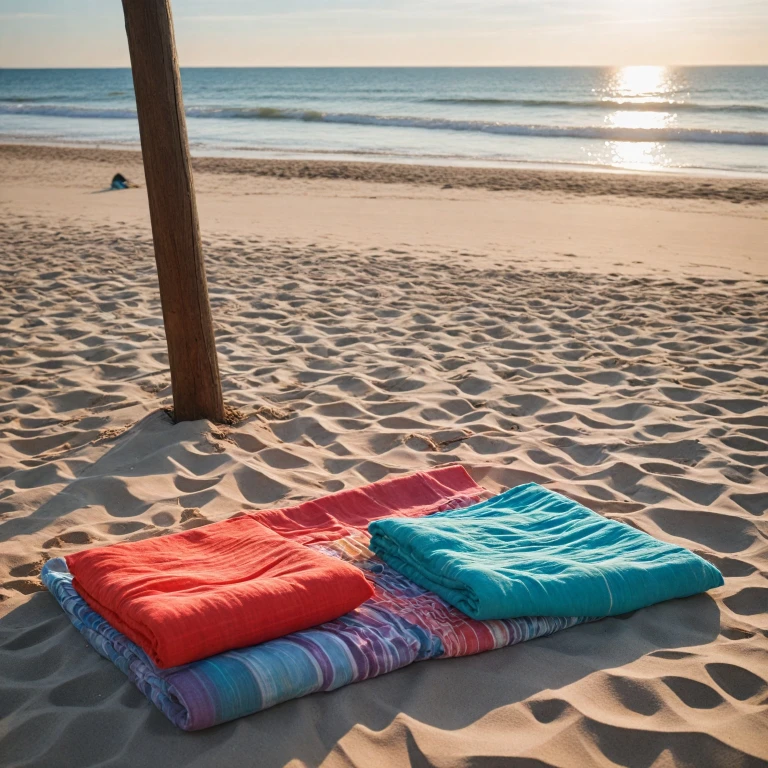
190	595
533	552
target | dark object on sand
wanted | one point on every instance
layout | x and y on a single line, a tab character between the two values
120	182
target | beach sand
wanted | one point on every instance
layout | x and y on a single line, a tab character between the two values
602	334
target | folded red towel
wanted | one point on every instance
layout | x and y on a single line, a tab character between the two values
222	586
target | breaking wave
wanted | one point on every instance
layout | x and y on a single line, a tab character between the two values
606	133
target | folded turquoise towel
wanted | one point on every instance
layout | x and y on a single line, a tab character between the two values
533	552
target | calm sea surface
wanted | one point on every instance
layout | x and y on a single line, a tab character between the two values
702	119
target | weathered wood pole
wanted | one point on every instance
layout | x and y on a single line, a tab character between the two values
173	211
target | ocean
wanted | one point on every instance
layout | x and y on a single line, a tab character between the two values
711	120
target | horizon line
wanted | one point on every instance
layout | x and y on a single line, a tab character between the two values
395	66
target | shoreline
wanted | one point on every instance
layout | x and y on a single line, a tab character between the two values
391	158
589	183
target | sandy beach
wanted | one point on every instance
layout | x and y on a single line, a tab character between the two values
603	334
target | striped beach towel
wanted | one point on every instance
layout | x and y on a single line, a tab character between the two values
401	624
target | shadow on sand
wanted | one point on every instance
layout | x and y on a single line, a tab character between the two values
153	446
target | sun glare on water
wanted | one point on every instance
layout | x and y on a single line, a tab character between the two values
642	83
649	86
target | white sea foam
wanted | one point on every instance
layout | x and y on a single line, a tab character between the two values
623	105
607	133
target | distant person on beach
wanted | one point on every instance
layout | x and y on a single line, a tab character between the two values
120	182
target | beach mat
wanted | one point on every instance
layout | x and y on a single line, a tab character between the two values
401	624
533	551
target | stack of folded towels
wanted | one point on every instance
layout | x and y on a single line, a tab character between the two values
231	618
190	595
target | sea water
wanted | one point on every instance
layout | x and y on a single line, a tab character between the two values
669	119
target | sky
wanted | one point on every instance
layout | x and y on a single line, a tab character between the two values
90	33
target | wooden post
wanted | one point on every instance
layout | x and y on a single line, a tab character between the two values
173	211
